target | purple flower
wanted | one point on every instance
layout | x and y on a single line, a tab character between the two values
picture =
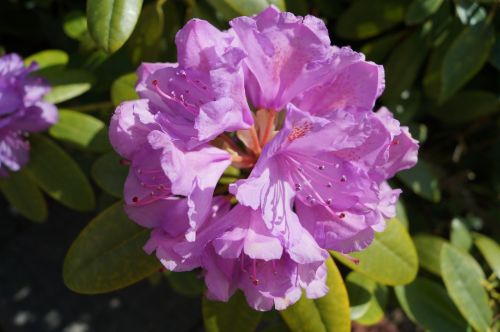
22	111
314	177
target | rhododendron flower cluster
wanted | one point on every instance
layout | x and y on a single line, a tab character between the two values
22	111
272	97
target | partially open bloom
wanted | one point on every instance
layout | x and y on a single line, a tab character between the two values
22	110
314	157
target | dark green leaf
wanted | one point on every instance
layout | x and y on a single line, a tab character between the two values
427	304
429	250
24	195
109	173
465	57
107	255
463	278
460	236
391	259
82	130
495	53
224	317
328	313
111	22
123	89
367	18
186	283
232	8
422	181
419	10
67	83
378	49
367	299
490	250
59	176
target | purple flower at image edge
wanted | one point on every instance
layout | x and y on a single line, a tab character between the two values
314	157
22	111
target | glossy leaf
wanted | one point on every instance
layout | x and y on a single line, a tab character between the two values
429	250
391	259
224	317
460	236
367	18
328	313
367	298
462	276
48	58
67	84
490	250
23	194
109	173
107	255
232	8
470	12
81	130
111	22
426	303
123	89
465	57
467	106
422	181
59	176
419	10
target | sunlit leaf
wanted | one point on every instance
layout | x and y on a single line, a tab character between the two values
107	255
490	250
75	24
232	8
67	83
367	298
429	250
459	235
48	58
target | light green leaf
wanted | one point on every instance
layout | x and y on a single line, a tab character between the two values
232	8
111	22
460	236
401	215
59	176
429	250
67	83
467	106
367	298
109	173
422	181
48	58
426	303
368	18
463	278
490	250
328	313
224	317
24	195
107	255
82	130
465	57
419	10
75	24
123	89
391	259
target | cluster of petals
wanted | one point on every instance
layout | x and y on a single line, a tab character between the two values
303	112
22	111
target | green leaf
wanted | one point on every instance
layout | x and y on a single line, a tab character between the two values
401	215
59	176
422	181
403	66
460	236
367	298
465	57
67	83
462	276
367	18
123	88
490	250
232	8
109	173
75	24
328	313
378	49
419	10
224	317
469	12
391	259
467	106
186	283
426	303
107	255
428	250
111	22
81	130
24	195
48	58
